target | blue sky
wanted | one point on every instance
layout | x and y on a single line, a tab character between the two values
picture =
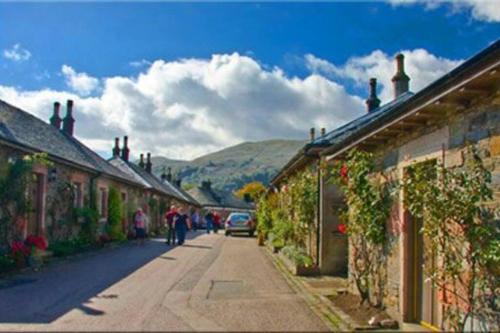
101	43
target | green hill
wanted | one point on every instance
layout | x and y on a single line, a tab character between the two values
232	167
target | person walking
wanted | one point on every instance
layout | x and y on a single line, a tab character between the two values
209	221
195	219
169	217
140	226
181	222
216	221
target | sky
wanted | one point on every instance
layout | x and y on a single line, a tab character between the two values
185	79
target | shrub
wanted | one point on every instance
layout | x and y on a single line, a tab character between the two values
6	263
114	226
297	255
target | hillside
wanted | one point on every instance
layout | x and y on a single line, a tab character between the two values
232	167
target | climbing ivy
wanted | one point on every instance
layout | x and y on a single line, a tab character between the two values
461	234
368	203
114	227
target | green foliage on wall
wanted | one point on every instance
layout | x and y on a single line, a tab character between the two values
114	226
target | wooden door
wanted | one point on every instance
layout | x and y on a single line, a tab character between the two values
35	197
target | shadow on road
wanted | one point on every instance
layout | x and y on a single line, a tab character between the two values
64	286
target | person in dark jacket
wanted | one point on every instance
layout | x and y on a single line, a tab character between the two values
169	218
209	221
182	225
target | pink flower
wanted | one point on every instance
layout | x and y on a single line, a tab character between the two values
342	228
18	248
37	241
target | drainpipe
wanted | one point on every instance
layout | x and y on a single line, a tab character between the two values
92	192
318	212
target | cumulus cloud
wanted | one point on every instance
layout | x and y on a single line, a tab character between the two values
81	83
421	66
189	107
140	63
482	10
17	53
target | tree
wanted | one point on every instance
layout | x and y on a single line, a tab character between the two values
251	191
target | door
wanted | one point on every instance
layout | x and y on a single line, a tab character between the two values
35	197
422	292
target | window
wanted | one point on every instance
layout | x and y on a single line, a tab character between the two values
77	195
104	202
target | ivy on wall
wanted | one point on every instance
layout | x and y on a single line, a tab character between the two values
461	234
368	203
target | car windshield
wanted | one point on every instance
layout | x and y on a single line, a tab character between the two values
239	218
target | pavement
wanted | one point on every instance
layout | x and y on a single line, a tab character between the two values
211	283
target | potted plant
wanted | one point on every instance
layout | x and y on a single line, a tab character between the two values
37	246
19	252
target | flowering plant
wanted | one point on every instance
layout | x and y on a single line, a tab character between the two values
39	242
19	249
342	228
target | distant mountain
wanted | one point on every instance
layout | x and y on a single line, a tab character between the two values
232	167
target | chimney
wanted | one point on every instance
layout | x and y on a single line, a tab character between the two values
323	131
163	175
206	185
169	175
141	161
149	165
116	148
125	150
372	102
69	121
311	134
400	80
178	182
55	120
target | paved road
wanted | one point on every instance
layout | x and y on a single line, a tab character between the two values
212	283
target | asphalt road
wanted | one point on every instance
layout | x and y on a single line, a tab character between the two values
212	283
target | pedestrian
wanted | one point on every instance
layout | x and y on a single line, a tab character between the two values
182	224
209	221
216	221
195	219
169	218
140	226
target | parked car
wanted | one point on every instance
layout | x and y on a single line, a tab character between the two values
240	222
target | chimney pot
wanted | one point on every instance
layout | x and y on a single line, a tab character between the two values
116	148
149	165
169	174
311	134
125	150
56	120
400	80
141	161
372	102
323	131
69	121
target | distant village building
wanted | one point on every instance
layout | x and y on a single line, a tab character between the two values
434	124
223	203
162	194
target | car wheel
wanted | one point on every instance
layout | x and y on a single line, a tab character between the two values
251	233
228	233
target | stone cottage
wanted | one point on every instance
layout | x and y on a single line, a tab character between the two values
222	203
160	193
75	177
433	125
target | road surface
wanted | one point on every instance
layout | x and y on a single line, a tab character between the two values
212	283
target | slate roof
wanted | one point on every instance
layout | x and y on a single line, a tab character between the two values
208	198
341	133
150	180
21	128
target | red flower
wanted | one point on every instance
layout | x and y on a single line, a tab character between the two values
344	171
37	241
18	248
342	228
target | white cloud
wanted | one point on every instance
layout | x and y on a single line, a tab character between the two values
189	107
421	66
140	63
81	83
482	10
17	53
